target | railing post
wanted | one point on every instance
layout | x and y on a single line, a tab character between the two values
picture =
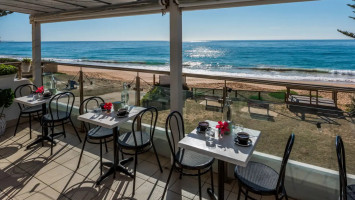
236	93
81	95
19	72
138	90
259	95
153	79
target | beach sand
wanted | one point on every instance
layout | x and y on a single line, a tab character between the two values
126	76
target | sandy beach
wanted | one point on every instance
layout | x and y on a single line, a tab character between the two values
126	76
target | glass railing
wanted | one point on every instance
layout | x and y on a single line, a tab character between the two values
253	106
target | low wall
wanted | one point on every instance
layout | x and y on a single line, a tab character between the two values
13	111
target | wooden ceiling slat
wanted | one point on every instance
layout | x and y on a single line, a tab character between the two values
83	3
51	3
20	10
25	5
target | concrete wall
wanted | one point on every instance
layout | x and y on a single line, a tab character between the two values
13	111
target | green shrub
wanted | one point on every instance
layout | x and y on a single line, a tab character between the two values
281	94
26	60
7	69
6	60
6	98
256	97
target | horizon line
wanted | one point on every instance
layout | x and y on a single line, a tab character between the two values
182	41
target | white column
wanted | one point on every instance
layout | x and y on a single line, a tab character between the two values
36	54
176	101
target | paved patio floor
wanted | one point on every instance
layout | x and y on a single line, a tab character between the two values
34	174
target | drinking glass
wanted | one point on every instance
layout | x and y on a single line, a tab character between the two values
210	133
97	111
239	128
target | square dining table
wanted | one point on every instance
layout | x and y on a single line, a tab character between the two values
111	121
30	102
223	149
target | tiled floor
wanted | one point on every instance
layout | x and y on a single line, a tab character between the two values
34	174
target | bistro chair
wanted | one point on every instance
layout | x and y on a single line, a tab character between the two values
140	139
94	134
346	191
262	179
60	109
24	90
185	159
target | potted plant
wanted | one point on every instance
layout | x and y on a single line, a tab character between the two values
7	75
6	98
26	65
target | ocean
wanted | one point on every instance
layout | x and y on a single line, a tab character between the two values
311	60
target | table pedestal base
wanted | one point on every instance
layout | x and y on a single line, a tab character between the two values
112	170
220	183
41	139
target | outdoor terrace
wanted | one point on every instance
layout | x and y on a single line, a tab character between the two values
34	174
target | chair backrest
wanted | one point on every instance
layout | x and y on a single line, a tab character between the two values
288	149
152	114
88	104
67	100
174	124
24	90
342	167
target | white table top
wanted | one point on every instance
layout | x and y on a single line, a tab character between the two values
222	148
28	100
109	120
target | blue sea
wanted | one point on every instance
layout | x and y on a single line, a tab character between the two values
313	60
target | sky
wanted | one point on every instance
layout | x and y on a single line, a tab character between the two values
290	21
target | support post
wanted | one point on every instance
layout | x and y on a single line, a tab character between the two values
317	93
176	101
36	54
138	90
153	79
310	97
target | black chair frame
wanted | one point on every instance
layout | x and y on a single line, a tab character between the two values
176	166
60	120
343	180
139	148
22	107
280	191
87	126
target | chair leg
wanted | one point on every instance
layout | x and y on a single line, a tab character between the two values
30	120
246	195
65	135
167	182
285	194
199	185
106	145
18	122
82	151
77	134
212	186
100	157
135	171
156	155
239	191
52	128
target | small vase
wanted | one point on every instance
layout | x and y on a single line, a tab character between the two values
108	111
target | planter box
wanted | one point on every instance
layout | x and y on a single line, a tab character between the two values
26	67
6	81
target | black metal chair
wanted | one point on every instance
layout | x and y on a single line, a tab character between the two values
262	179
94	134
182	158
139	140
21	91
60	108
346	191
